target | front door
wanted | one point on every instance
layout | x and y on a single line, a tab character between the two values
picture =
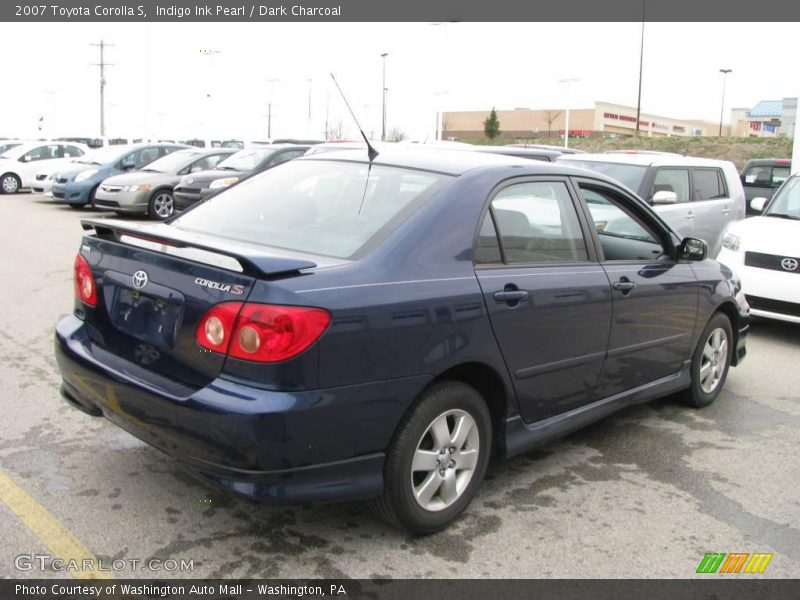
549	300
654	295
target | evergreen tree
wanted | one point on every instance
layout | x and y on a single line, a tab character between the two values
491	125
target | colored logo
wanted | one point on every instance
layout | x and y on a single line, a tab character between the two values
734	562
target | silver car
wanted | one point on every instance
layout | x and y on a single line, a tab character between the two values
697	197
149	191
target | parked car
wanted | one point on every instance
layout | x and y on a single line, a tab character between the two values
78	185
698	197
333	328
18	165
764	252
195	186
529	153
45	177
762	176
8	144
149	191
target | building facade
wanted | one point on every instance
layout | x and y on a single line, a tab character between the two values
768	118
604	120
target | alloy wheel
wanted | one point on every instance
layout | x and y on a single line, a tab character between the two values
714	361
445	460
163	205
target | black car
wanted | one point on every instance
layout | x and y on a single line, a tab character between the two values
762	176
345	327
529	153
249	161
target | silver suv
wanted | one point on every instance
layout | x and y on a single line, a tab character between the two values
697	197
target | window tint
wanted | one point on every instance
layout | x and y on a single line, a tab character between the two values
622	236
145	156
208	162
672	180
284	156
708	184
487	248
537	223
44	153
758	176
72	151
320	207
779	175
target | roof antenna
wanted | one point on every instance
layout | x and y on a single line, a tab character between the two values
371	152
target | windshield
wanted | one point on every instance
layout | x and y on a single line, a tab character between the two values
103	156
628	175
786	202
316	207
245	160
171	163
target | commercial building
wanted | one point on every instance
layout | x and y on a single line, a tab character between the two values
604	120
768	118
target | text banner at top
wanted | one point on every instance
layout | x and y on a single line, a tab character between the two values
145	11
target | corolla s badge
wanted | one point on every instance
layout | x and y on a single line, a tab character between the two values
139	279
235	288
789	264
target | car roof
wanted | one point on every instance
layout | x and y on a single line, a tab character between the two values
647	160
521	152
449	162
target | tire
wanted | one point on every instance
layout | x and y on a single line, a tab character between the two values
92	194
10	184
714	351
423	500
76	206
162	205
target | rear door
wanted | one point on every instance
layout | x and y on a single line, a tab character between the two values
548	299
654	295
680	216
713	206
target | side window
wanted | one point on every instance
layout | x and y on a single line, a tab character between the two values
72	151
487	247
537	223
164	150
145	156
284	156
41	153
758	176
708	184
672	180
779	175
207	162
622	235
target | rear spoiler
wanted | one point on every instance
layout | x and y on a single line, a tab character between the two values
253	261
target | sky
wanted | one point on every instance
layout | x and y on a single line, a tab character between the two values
162	85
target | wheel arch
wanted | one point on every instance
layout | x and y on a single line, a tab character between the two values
729	310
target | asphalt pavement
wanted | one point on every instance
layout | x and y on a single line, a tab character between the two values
645	493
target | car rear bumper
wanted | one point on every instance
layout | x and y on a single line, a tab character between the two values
276	447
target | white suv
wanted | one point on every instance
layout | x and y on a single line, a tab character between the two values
697	197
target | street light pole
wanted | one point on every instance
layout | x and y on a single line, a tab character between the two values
271	83
641	67
722	107
569	83
383	118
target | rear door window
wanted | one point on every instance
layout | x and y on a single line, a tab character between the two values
537	223
708	184
672	180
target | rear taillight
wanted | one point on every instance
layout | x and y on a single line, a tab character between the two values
261	332
85	289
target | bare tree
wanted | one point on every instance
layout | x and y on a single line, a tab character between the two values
550	117
395	135
335	131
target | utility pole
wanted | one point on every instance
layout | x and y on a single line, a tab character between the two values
102	64
271	83
722	107
569	83
383	120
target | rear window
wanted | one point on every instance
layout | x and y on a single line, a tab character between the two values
316	207
628	175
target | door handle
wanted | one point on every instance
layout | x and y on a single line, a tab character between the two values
726	210
624	285
511	295
690	216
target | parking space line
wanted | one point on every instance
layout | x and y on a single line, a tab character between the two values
50	531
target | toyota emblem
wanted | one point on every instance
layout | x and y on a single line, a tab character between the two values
789	264
139	279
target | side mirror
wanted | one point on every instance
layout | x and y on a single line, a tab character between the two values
665	197
758	204
693	249
25	158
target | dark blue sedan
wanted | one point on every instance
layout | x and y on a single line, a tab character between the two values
337	328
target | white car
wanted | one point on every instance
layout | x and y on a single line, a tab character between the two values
764	252
19	165
45	178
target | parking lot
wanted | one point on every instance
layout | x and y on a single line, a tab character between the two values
645	493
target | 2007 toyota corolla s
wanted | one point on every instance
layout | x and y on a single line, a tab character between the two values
338	328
